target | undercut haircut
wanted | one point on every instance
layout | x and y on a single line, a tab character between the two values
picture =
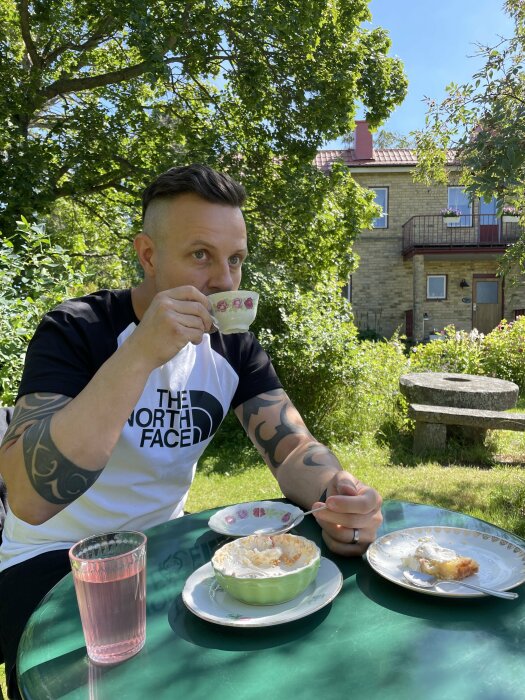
201	180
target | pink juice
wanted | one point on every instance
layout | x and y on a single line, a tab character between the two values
113	610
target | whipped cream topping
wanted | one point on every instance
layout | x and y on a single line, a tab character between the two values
263	556
431	550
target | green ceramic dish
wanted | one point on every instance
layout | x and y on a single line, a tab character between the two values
269	585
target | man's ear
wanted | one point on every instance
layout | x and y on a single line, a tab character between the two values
145	249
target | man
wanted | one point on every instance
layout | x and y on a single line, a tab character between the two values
123	390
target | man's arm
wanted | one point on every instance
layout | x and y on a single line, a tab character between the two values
305	468
56	446
51	475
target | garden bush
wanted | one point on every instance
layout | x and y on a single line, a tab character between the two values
34	277
500	353
458	351
504	352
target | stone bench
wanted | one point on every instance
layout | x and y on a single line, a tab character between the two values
432	422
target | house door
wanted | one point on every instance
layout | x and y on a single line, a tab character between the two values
488	223
486	304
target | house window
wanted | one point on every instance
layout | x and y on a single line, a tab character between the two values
436	286
457	198
381	198
347	290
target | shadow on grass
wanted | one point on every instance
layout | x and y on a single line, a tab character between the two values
400	444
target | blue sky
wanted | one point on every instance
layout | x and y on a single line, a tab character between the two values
432	60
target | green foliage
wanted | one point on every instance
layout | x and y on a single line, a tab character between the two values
98	97
501	353
483	121
341	386
310	341
98	236
34	277
493	494
371	402
504	352
459	352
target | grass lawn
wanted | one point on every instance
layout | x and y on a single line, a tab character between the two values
487	483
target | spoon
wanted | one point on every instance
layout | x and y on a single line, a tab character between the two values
280	530
416	578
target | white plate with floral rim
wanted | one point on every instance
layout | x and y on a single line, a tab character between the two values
206	599
244	518
501	563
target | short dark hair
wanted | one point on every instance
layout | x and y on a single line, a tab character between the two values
200	179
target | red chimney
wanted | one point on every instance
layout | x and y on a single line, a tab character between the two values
363	143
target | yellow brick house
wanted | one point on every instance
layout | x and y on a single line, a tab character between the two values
419	271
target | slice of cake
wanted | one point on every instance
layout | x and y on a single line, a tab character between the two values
441	562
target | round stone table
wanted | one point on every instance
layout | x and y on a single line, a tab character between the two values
458	391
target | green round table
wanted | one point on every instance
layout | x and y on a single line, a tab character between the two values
375	640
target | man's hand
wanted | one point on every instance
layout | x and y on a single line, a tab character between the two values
174	318
353	513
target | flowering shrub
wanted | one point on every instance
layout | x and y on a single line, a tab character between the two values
504	352
450	211
500	353
460	352
509	210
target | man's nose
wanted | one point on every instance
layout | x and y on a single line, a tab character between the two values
221	278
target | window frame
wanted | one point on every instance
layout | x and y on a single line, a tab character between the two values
385	215
347	290
469	214
445	281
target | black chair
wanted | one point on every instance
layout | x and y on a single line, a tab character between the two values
6	413
5	418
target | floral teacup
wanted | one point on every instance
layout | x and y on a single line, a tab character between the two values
234	311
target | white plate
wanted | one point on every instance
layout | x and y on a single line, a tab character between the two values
204	597
244	518
501	563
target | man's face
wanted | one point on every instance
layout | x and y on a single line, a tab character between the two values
195	242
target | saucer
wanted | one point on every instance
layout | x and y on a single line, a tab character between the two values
244	519
206	599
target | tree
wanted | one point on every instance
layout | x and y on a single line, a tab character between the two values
483	121
393	139
99	96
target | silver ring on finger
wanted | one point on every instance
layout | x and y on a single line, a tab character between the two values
355	538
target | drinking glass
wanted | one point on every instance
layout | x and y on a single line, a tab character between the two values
109	572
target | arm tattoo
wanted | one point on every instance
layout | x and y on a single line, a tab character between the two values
31	408
282	430
251	408
315	455
52	475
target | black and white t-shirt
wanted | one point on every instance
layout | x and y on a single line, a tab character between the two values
147	478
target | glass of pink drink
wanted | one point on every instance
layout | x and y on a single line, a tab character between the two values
109	572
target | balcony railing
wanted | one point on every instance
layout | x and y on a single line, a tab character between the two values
433	231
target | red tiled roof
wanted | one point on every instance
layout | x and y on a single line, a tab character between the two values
382	157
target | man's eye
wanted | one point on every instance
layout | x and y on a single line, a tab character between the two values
235	260
199	254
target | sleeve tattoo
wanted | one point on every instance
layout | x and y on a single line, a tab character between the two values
54	477
315	454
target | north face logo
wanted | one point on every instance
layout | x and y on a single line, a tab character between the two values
181	419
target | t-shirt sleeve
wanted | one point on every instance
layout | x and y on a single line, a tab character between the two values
256	372
60	358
